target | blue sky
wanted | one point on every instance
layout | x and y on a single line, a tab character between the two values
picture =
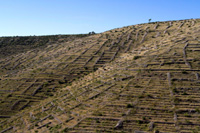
49	17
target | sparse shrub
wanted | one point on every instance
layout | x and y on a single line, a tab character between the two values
123	114
55	128
137	86
47	126
9	95
149	96
94	69
129	105
174	90
51	117
187	115
184	72
176	100
60	82
197	110
64	130
86	68
195	131
139	70
98	81
97	121
45	84
141	96
139	121
136	57
188	121
184	93
48	94
97	113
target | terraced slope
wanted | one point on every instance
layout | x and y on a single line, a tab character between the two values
141	78
14	45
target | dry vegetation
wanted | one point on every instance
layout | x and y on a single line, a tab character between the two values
141	78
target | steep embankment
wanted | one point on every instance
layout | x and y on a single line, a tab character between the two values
148	80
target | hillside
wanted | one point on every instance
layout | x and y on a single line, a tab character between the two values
140	78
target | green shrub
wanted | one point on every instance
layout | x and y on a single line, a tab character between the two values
136	57
187	115
129	105
184	93
64	130
184	72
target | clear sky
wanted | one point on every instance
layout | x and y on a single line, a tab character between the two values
48	17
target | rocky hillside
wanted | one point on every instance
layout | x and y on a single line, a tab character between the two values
140	78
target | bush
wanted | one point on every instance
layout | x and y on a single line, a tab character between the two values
136	57
9	95
97	121
187	115
184	93
139	122
197	110
184	72
137	86
176	100
129	105
64	130
97	113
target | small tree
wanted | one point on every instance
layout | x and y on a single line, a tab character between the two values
91	33
149	20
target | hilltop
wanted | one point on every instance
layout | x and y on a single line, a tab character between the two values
139	78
